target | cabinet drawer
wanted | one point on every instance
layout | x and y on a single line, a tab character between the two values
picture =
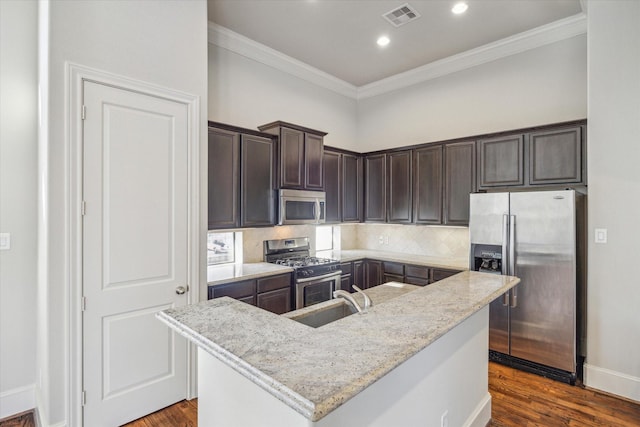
346	268
392	278
274	282
415	271
393	268
416	281
439	274
237	290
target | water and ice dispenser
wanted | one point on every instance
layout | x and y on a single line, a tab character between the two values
486	258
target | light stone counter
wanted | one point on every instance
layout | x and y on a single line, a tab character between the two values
297	364
219	274
461	264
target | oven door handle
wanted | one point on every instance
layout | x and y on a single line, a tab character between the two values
337	273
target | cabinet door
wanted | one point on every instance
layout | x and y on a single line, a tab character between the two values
313	159
345	283
332	184
399	201
358	274
427	185
375	172
373	273
223	164
460	181
501	161
555	157
257	182
351	188
439	274
278	301
291	158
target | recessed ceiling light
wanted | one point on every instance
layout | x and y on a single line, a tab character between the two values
460	7
383	41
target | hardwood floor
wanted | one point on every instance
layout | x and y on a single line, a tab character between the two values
519	399
182	414
24	419
523	399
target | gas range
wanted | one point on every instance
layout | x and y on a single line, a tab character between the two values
294	253
314	278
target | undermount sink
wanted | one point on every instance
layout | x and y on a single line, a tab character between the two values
327	315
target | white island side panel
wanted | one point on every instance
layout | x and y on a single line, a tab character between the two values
448	375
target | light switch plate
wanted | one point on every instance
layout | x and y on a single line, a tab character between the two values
601	235
5	241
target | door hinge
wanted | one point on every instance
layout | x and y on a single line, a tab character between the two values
84	398
84	112
83	208
83	303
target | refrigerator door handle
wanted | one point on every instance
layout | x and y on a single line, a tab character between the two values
505	240
512	245
512	258
505	298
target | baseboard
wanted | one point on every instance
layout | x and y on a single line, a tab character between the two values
613	382
18	400
481	416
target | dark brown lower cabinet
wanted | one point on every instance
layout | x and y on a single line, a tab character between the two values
439	274
417	275
373	273
272	293
358	274
346	277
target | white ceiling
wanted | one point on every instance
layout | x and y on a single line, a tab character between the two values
339	36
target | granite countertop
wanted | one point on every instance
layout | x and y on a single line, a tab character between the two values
461	264
289	359
219	274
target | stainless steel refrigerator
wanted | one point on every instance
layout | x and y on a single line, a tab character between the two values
538	237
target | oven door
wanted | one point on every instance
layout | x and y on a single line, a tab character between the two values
313	290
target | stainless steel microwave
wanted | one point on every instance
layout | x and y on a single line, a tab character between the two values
301	207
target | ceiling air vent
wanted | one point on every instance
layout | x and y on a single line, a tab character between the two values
401	15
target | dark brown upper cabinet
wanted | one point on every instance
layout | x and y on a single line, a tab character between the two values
501	161
240	178
427	185
547	156
352	196
332	186
223	179
375	178
399	200
343	186
257	184
556	156
459	181
300	155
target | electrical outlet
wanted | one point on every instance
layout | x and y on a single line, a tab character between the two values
5	241
601	235
381	240
386	240
444	419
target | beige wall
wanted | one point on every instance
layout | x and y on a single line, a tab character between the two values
18	201
613	329
246	93
540	86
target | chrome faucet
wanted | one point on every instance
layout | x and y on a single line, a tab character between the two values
350	299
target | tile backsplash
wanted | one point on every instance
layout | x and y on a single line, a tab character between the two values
434	241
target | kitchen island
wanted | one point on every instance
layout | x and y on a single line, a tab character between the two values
409	360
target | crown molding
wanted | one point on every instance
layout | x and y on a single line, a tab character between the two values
537	37
237	43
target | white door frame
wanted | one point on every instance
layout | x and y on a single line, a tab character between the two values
76	75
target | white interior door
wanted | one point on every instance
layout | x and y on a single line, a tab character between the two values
135	182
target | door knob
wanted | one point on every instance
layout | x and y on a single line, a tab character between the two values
181	290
